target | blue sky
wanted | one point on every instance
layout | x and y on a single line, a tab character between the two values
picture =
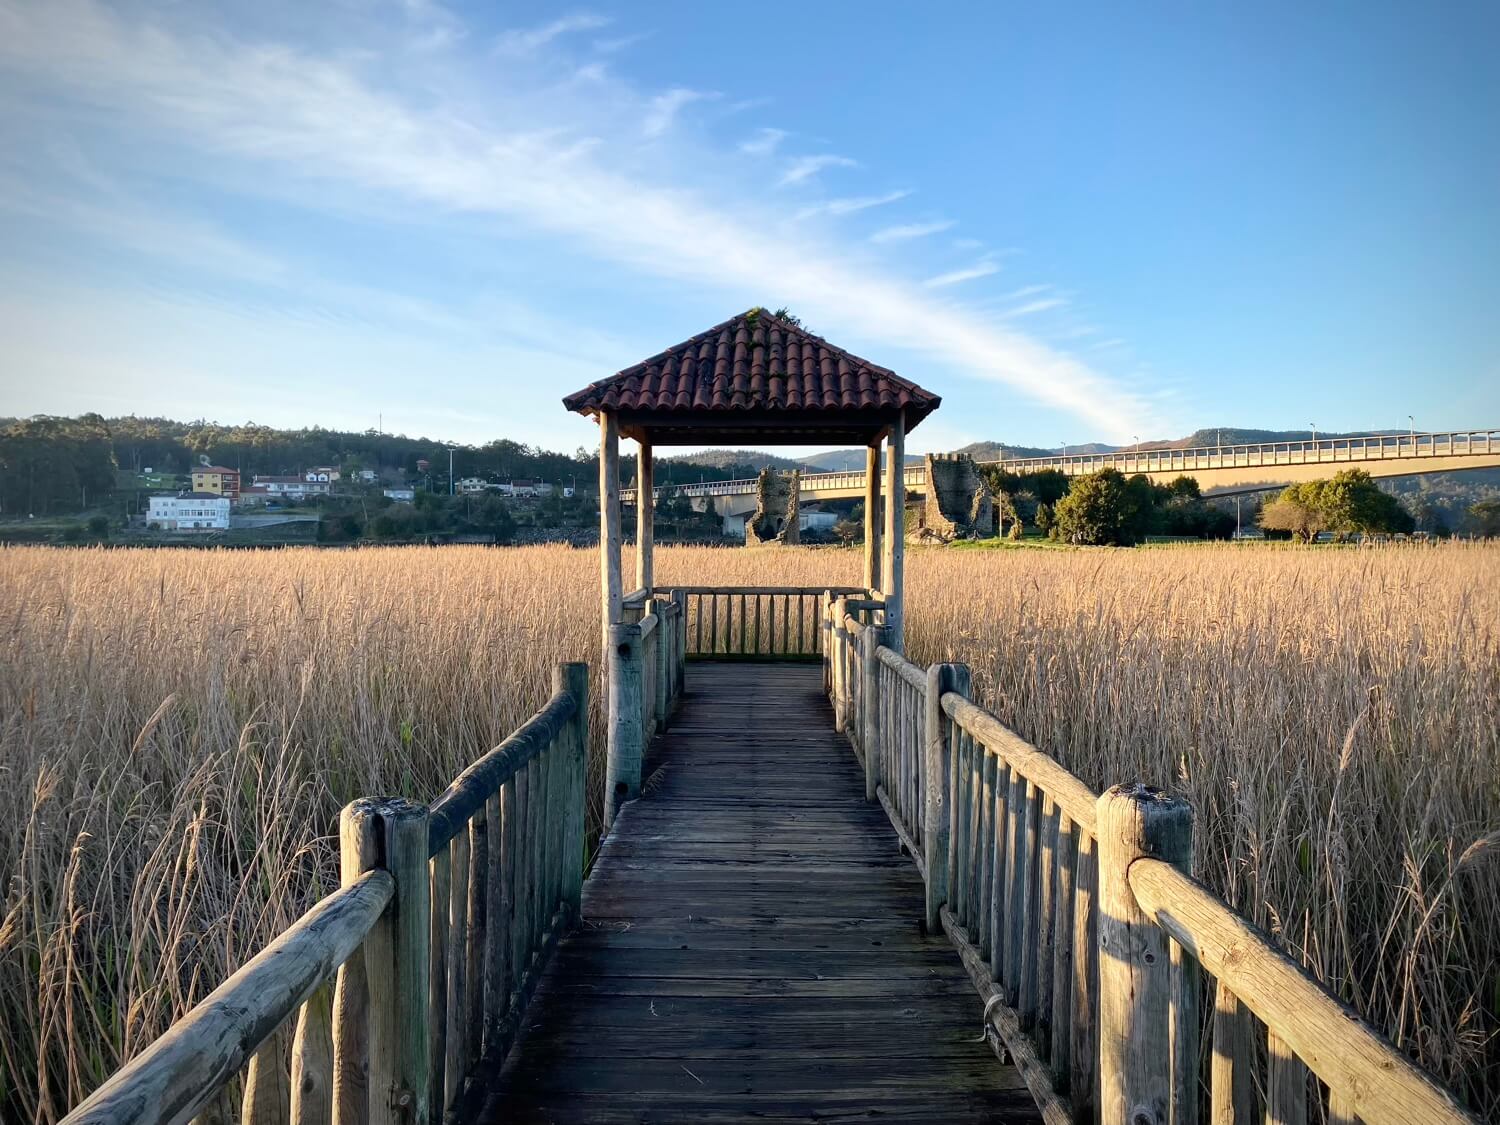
1075	222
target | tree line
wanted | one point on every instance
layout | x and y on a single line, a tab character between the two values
57	466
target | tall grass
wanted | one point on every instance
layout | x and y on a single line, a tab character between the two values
179	729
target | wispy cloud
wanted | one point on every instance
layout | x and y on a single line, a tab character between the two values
906	231
968	273
806	167
764	142
304	120
1032	307
850	205
662	110
620	42
520	41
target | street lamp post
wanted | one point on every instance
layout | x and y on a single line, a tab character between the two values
1413	422
1314	427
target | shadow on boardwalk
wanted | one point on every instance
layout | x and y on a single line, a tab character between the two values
752	944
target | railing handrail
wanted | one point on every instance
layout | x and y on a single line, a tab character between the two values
1337	1044
1075	798
467	793
185	1067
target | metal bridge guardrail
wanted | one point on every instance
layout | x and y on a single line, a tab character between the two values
1339	452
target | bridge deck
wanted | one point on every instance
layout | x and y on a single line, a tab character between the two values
752	944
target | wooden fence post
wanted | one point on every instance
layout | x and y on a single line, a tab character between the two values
825	639
665	628
1135	970
838	649
400	1058
622	778
937	810
574	679
359	851
870	739
679	652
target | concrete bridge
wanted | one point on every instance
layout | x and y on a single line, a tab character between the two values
1224	470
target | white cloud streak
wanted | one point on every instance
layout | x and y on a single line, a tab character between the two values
764	142
316	120
907	231
851	205
968	273
806	167
520	41
663	109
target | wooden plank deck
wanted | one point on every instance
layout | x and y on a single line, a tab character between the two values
752	948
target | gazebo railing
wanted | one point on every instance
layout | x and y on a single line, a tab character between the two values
752	622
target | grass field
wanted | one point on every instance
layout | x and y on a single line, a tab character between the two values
179	729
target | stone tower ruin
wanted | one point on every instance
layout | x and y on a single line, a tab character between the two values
775	519
958	504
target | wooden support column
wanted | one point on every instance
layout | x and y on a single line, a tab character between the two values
1135	968
872	517
622	770
893	565
645	516
609	523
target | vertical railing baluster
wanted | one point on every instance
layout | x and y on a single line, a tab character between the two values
267	1097
440	871
1029	904
1184	1029
1042	934
1016	863
1286	1084
1082	1052
1066	858
359	851
312	1060
1000	820
474	938
456	1064
986	844
496	996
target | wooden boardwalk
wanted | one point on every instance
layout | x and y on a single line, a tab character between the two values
752	944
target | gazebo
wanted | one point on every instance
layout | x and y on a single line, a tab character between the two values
755	380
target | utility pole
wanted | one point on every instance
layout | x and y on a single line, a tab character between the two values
1236	517
450	471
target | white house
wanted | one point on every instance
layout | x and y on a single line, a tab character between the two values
402	495
815	519
321	474
189	511
293	488
470	485
366	476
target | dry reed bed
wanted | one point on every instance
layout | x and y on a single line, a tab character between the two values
178	730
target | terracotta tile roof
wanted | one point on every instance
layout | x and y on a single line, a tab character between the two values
755	362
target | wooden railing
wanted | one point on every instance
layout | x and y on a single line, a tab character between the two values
752	622
446	917
1085	934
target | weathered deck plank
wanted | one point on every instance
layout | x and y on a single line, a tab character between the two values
753	946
